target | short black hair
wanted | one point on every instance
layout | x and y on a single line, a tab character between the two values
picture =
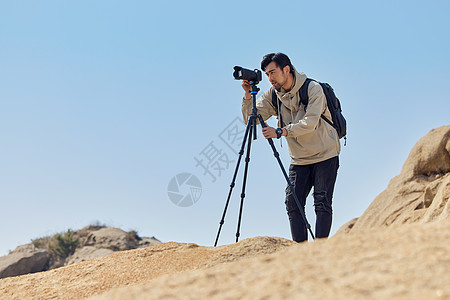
280	59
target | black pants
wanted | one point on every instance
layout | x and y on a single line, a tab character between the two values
321	176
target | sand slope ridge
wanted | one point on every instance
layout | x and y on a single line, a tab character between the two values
130	267
408	262
402	262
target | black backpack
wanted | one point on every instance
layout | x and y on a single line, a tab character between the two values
334	106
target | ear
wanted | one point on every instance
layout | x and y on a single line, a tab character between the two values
286	69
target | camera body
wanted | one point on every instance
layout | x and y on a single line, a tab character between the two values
254	77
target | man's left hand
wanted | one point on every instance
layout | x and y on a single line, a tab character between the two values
269	132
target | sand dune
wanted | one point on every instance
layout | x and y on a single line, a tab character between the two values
409	262
406	262
129	268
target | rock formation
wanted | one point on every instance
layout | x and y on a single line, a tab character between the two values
87	243
419	194
25	259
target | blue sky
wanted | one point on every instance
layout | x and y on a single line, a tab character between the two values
103	103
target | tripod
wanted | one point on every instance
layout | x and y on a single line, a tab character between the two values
251	129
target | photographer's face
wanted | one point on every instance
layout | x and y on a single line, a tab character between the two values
277	77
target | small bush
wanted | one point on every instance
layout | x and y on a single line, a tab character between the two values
133	236
65	244
41	243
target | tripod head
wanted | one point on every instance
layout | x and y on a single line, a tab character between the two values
255	89
254	116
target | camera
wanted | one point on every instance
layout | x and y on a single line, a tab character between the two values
253	77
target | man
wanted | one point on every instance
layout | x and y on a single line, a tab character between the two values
313	143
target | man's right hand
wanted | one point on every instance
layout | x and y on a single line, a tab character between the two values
247	88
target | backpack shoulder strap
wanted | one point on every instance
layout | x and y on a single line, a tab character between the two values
328	121
304	98
303	92
275	101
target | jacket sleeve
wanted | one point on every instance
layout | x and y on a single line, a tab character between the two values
316	106
264	106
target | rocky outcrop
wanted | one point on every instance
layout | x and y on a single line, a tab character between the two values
419	194
23	260
85	253
148	241
72	247
108	240
114	239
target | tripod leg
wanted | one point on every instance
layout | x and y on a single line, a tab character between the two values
241	153
247	160
277	156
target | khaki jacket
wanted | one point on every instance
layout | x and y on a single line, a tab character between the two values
310	139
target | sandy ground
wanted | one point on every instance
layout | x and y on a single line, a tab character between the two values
403	262
131	267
